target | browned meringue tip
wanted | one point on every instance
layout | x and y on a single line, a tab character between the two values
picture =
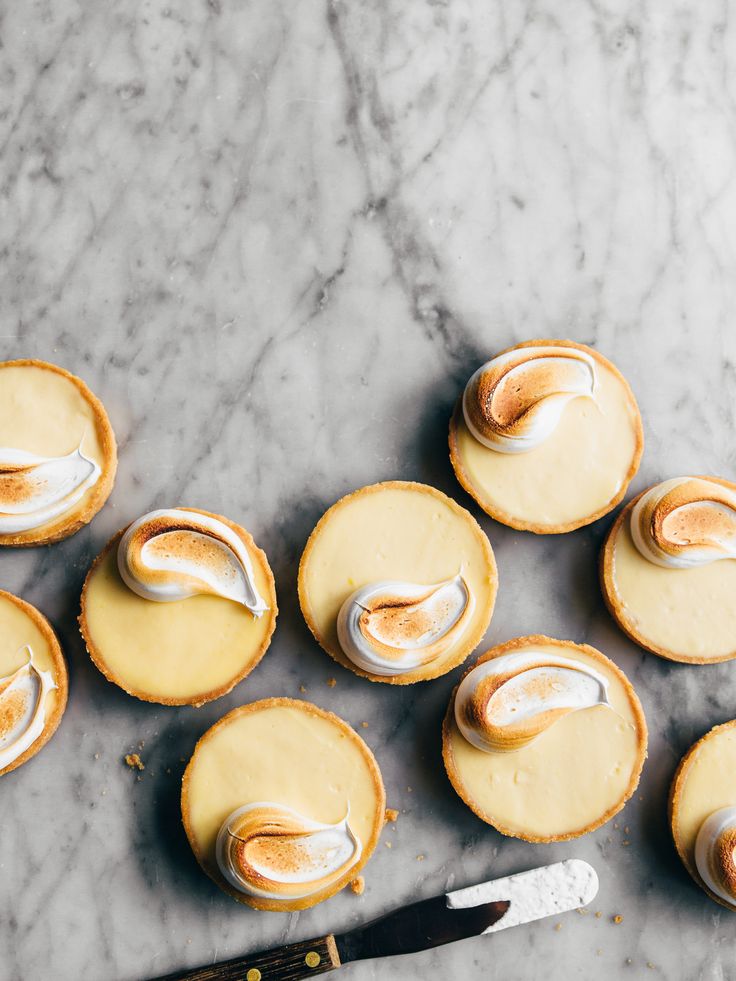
724	861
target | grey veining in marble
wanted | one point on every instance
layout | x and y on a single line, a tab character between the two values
276	238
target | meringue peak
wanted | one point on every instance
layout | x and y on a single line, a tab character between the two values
23	708
515	401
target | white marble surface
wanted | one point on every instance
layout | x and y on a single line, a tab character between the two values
276	238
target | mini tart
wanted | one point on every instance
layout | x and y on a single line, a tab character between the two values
396	530
22	624
47	411
186	652
703	783
578	474
292	753
568	781
685	615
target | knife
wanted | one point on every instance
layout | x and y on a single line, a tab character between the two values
470	912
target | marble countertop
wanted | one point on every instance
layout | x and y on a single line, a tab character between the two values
276	239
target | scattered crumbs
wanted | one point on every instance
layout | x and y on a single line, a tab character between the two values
420	858
558	927
392	814
104	792
303	689
364	725
598	914
599	951
650	965
97	756
331	682
358	885
388	844
615	825
189	940
626	830
625	842
182	759
141	744
640	797
134	761
139	777
582	911
409	789
628	960
618	918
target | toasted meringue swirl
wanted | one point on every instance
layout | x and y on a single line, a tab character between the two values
514	402
35	490
390	627
172	554
273	852
715	853
22	709
685	522
506	702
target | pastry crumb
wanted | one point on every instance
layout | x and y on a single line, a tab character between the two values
358	885
302	688
97	756
420	858
134	761
558	927
364	725
331	682
598	914
388	844
625	842
599	951
582	911
618	918
391	814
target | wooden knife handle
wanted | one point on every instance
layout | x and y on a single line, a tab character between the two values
291	963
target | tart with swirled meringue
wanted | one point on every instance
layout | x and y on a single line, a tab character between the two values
397	582
283	804
702	813
668	569
33	682
546	436
57	453
179	607
544	739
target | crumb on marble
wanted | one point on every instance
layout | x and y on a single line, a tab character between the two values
582	911
650	965
388	844
625	842
420	858
391	814
331	682
409	789
303	689
599	951
358	885
97	756
558	927
618	918
364	725
598	914
134	761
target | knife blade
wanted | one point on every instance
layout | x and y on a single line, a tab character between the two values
470	912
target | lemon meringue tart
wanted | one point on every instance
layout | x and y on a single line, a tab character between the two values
57	453
544	739
702	810
397	582
668	569
33	682
179	607
547	436
283	804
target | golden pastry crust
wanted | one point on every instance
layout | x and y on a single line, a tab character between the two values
61	677
673	806
368	847
616	608
427	672
497	513
257	555
642	736
67	525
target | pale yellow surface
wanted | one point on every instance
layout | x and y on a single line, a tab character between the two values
16	630
43	412
571	475
568	778
288	756
690	612
707	786
171	650
394	533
